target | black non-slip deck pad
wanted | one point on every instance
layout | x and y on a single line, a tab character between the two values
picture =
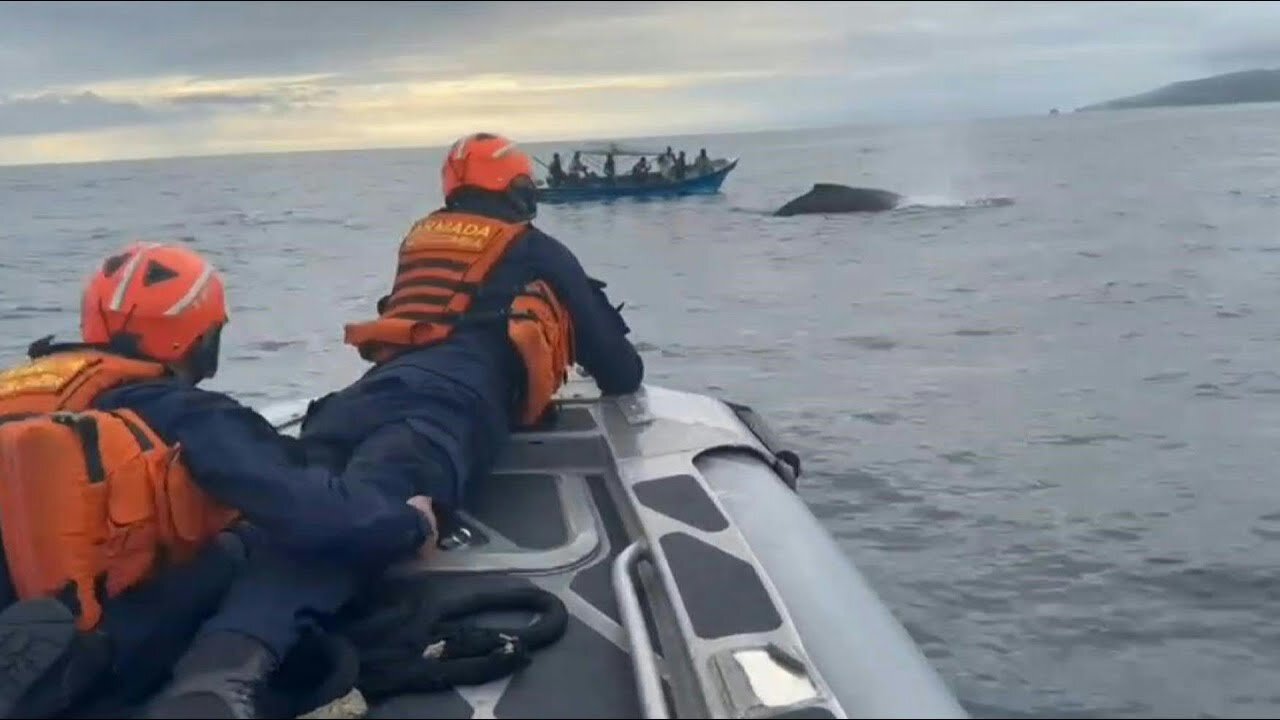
583	675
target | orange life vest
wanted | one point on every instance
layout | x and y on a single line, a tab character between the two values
91	502
444	261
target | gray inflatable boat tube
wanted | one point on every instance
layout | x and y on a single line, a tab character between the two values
866	656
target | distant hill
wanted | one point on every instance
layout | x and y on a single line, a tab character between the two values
1249	86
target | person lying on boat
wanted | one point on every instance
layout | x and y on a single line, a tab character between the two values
139	512
485	314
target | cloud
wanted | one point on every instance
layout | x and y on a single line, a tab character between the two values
1258	49
159	101
282	98
89	42
242	76
54	113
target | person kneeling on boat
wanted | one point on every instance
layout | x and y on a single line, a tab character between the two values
133	506
485	315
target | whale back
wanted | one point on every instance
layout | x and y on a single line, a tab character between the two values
829	198
828	187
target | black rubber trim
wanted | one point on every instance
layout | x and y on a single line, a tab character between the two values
766	436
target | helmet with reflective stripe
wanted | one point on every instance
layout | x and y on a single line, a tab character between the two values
484	161
163	299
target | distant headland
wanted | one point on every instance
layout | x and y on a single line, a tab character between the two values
1248	86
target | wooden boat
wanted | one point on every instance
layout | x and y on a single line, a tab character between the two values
651	185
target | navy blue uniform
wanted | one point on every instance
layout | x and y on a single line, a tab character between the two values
436	417
237	457
312	536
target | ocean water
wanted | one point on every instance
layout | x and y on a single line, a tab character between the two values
1047	432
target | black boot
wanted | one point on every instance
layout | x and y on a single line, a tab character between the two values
46	665
320	669
222	676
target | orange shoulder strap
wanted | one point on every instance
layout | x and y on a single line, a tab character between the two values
68	381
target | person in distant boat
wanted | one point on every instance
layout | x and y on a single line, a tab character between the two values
702	163
576	168
139	511
681	168
641	168
665	162
610	169
484	317
555	170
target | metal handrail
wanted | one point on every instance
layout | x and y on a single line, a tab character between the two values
643	661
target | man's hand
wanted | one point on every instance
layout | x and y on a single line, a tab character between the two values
422	504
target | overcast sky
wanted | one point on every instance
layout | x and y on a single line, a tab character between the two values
103	80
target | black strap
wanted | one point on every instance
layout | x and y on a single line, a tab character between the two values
123	345
86	429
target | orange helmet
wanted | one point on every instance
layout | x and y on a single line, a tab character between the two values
484	161
165	297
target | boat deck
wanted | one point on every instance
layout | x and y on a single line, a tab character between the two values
558	512
697	582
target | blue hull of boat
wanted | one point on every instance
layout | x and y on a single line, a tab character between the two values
703	185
